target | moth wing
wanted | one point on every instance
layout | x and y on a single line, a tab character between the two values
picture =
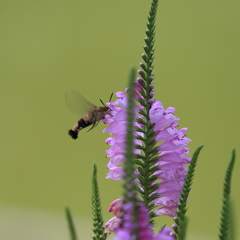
78	104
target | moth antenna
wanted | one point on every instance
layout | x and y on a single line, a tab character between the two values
102	102
110	97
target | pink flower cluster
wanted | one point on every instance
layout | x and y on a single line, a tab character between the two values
117	127
123	223
172	150
172	158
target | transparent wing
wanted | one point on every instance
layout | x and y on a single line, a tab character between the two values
78	104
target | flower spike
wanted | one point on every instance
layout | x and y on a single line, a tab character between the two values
159	146
98	230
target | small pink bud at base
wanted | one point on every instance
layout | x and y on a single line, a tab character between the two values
174	226
172	235
144	57
151	94
151	101
140	72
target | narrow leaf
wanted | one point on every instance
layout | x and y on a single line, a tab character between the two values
226	208
73	235
181	212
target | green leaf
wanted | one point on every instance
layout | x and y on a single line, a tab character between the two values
226	207
73	234
181	211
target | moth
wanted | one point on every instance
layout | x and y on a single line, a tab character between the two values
93	114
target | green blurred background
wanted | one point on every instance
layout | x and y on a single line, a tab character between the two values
50	47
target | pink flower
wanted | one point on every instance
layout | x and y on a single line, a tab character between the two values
144	229
116	206
128	224
165	234
112	225
115	173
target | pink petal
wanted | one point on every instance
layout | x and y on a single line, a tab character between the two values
112	224
166	134
173	156
115	173
164	234
122	234
116	127
164	121
115	207
171	212
116	160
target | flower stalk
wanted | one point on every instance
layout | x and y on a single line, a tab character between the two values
148	158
